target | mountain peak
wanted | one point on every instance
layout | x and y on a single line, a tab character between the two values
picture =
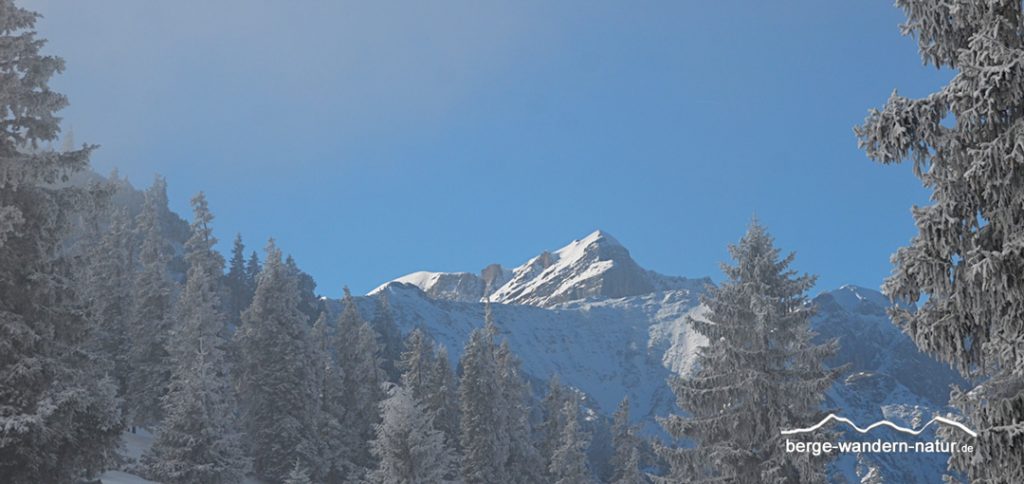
855	298
599	237
595	266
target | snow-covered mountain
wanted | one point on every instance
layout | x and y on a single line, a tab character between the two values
611	328
594	267
887	378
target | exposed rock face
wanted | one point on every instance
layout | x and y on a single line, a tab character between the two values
494	276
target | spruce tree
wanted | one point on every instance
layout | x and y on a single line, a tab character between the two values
524	463
626	446
149	361
238	282
442	398
759	374
309	303
298	475
198	442
333	439
408	448
357	348
966	259
276	372
569	460
630	472
417	364
553	423
107	288
482	436
252	271
390	338
58	417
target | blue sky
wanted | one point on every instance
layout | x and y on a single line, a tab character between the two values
374	139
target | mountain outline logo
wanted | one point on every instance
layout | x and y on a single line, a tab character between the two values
881	423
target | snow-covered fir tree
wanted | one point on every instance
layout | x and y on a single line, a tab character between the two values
333	439
442	399
197	441
630	472
553	423
107	287
59	418
149	361
625	461
277	378
569	460
408	448
358	349
966	260
239	285
252	270
390	337
524	463
417	364
298	475
759	374
309	303
482	433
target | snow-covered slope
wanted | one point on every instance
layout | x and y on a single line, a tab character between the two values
454	286
451	286
608	348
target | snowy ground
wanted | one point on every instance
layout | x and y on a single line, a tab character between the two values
118	477
134	445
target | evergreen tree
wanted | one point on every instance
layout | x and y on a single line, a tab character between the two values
333	438
409	449
58	418
309	303
569	461
759	374
298	475
966	260
390	338
358	351
149	361
524	464
553	423
625	462
442	398
107	288
630	469
277	378
239	284
417	365
482	429
197	441
252	270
